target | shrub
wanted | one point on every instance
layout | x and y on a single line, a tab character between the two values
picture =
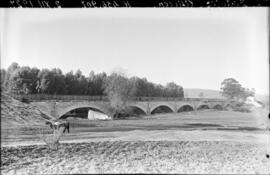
52	139
24	100
241	109
120	115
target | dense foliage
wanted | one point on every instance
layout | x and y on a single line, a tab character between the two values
26	80
119	90
233	90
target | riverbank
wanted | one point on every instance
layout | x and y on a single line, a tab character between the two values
138	157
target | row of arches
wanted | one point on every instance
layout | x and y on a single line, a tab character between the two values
137	111
184	108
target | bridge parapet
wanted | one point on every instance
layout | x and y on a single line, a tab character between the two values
48	97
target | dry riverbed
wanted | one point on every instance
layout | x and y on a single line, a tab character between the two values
206	142
138	157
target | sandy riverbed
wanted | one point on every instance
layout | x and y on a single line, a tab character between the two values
138	157
205	142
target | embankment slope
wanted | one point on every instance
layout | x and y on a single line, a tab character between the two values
15	114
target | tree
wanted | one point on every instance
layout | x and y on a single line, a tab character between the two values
90	83
233	90
119	91
80	83
58	85
99	84
3	75
51	82
160	91
20	81
28	80
174	90
34	79
44	81
247	93
70	82
23	80
83	85
141	87
14	66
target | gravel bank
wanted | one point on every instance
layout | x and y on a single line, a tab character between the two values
138	157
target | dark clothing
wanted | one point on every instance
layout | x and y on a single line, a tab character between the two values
58	126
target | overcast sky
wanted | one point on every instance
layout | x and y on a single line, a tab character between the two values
195	47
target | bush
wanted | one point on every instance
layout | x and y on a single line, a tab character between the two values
25	100
241	109
52	139
121	116
240	106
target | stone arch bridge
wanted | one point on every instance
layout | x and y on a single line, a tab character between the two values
58	107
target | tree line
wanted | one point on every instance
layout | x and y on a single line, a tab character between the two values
233	90
26	80
18	79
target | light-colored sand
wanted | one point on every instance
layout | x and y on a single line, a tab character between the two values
139	157
157	135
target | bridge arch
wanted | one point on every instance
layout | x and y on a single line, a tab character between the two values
217	107
228	106
65	110
138	108
203	106
185	108
164	107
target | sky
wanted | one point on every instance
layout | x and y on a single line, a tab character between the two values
194	47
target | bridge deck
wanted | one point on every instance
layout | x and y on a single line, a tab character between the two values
46	97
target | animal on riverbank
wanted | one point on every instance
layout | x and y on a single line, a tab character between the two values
56	125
